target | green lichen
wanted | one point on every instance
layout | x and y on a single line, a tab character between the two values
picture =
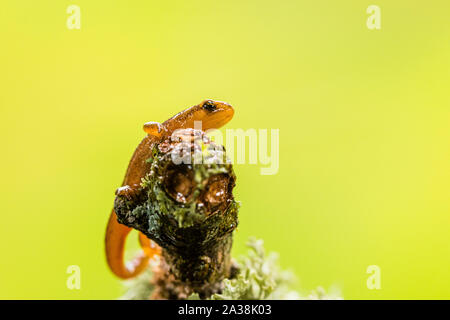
260	278
139	288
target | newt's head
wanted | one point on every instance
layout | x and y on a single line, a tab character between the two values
209	114
214	114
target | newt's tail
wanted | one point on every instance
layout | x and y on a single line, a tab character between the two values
116	235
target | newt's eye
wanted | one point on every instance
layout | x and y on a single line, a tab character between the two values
209	106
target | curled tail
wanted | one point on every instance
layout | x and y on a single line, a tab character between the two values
116	235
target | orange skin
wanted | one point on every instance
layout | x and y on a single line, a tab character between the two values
213	115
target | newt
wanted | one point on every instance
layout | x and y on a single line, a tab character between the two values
213	115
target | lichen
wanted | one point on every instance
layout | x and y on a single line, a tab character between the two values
260	278
139	288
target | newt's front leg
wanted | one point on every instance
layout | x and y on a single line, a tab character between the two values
117	233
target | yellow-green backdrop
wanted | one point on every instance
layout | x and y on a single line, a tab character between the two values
364	120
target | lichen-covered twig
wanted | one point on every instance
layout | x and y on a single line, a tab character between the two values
186	205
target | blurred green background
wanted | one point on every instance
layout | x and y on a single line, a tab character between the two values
364	119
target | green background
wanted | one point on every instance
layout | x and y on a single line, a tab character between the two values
364	120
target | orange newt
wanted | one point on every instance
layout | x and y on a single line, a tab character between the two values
213	115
